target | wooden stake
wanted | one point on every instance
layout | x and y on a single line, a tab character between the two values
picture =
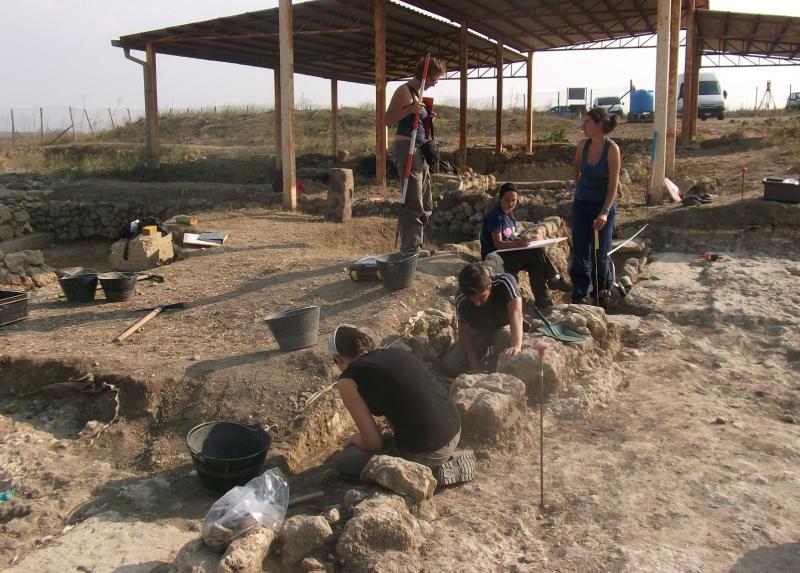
111	117
72	124
41	123
13	130
86	115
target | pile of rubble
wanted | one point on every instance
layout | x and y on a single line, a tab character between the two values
25	270
378	527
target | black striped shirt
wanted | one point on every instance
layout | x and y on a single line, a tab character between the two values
493	314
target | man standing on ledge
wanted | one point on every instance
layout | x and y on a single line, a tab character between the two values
403	108
489	310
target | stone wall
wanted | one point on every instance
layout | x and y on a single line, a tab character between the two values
76	219
15	221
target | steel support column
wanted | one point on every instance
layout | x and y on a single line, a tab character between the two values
498	129
287	104
462	102
529	107
672	94
335	119
656	191
380	93
151	107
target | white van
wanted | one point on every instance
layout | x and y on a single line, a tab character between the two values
711	100
613	104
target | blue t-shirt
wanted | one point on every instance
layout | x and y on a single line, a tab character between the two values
493	314
406	125
496	221
593	184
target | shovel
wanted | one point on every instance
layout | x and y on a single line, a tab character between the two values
154	312
558	331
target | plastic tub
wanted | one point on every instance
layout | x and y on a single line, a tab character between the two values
295	328
227	454
118	286
396	270
79	285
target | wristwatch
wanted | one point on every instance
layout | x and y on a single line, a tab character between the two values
605	211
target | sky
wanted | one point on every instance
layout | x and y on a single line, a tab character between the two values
58	53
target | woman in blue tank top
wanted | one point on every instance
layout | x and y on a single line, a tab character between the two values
597	163
404	106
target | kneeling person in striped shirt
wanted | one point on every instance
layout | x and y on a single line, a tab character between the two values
489	311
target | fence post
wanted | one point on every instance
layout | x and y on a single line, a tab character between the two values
130	120
41	123
111	117
72	124
88	121
13	131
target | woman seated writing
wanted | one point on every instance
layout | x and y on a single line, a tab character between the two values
393	383
499	232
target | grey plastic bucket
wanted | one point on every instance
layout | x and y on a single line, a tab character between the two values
396	270
118	286
295	328
79	285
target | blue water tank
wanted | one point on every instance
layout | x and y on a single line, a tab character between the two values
642	101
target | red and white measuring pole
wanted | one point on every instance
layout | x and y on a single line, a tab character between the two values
413	145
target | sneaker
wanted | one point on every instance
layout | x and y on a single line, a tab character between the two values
559	283
460	468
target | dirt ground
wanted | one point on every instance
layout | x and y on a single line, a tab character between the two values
693	466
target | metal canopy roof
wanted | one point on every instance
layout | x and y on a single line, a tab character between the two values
332	39
532	25
748	34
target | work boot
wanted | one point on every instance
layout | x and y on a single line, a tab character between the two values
460	468
558	282
421	253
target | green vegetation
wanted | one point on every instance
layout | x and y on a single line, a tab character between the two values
238	144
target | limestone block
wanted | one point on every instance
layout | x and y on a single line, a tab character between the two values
246	554
527	366
489	403
301	536
15	263
380	524
144	252
340	195
194	557
401	476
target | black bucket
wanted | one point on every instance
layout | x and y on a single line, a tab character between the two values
118	286
295	328
227	454
396	270
79	285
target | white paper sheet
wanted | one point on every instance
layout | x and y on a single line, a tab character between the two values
534	245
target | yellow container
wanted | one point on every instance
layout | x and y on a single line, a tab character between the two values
149	230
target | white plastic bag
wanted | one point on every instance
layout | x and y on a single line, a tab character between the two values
261	501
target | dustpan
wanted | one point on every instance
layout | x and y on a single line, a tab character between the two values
557	331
